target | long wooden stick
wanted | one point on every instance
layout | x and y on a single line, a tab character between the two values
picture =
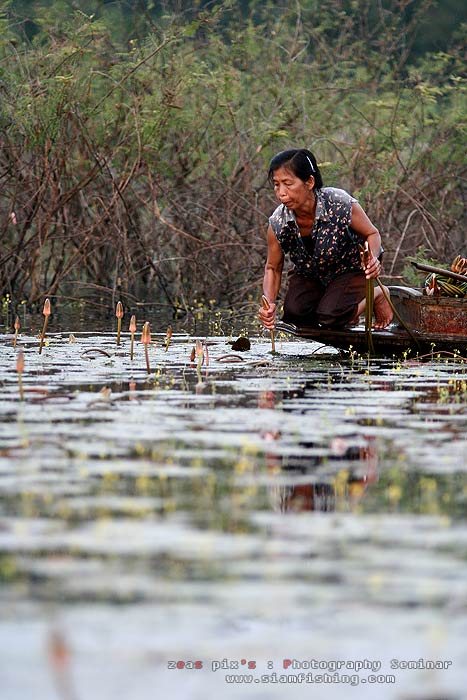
267	305
369	305
365	254
439	271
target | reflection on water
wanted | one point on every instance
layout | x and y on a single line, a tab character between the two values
361	470
301	505
350	487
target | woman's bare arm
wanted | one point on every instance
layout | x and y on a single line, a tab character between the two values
272	279
362	225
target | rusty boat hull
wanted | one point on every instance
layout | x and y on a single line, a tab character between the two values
436	324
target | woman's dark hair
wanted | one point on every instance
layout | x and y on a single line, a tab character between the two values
300	162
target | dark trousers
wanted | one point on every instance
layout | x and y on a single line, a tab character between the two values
308	303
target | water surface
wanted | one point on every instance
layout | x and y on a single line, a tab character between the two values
302	506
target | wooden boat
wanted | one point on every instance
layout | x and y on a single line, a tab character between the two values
436	324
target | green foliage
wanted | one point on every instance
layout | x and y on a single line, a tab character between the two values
412	276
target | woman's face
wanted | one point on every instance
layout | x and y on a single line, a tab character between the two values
290	190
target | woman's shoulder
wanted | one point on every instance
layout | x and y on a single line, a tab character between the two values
335	194
279	217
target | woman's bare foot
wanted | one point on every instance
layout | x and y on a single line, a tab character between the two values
382	309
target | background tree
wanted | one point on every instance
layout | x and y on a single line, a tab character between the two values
135	137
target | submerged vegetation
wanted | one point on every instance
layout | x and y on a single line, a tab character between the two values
133	147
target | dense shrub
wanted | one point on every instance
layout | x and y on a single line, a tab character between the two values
137	163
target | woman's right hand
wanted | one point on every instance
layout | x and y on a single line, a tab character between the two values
268	316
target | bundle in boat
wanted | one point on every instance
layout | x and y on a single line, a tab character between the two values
448	283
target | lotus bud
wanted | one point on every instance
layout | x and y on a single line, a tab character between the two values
46	312
146	334
119	315
168	337
17	327
146	339
132	331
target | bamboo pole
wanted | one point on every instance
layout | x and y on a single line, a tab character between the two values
365	254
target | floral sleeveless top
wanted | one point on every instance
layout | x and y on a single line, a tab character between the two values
332	246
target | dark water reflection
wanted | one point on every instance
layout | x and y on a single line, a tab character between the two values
302	505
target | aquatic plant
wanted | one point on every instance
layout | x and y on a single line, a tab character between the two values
46	311
200	359
6	301
17	327
19	369
459	265
119	315
168	337
199	352
132	331
146	339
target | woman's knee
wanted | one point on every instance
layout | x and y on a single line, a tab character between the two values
296	307
337	316
302	297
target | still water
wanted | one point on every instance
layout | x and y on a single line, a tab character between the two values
259	526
